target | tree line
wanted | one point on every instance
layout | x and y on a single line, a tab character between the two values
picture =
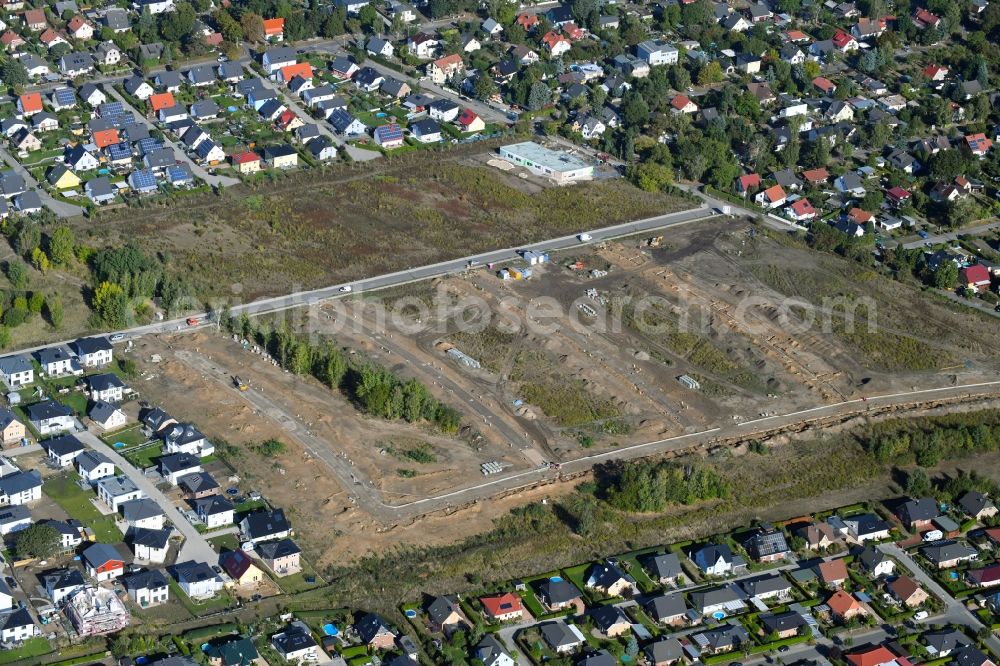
374	389
926	441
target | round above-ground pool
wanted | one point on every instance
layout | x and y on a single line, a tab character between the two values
718	615
330	629
410	612
555	579
119	445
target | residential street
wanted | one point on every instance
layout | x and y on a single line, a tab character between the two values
951	235
195	546
60	208
357	154
196	169
955	611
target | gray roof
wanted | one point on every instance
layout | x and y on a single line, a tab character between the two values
973	502
666	606
945	551
15	363
104	381
14	514
140	509
101	553
439	609
18	482
212	505
197	482
558	591
102	411
703	599
63	445
151	538
275	549
768	584
490	650
176	462
666	565
47	410
89	460
668	649
146	580
558	634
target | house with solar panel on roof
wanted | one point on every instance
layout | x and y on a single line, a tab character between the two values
767	544
389	136
62	98
143	181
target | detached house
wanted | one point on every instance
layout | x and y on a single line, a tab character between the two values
772	197
717	560
103	562
17	371
506	607
51	417
62	451
610	580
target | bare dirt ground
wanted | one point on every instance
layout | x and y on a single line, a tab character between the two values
556	386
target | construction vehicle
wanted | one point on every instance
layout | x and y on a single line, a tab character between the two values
655	241
239	383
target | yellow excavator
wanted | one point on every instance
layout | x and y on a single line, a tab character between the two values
239	383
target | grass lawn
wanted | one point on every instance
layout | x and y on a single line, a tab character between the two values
33	647
167	613
76	502
577	575
297	582
200	607
531	603
130	436
75	401
225	542
144	457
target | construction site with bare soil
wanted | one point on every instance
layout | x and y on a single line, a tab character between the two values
707	337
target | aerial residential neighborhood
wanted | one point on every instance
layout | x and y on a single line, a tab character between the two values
585	333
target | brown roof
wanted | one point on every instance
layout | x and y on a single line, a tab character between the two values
833	571
841	603
904	587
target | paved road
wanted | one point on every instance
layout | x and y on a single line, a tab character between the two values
195	546
951	235
487	112
357	154
955	611
60	208
197	169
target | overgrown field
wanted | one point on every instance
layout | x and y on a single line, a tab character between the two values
786	480
318	229
912	330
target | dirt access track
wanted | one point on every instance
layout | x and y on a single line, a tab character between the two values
577	394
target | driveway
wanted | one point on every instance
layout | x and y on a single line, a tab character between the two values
196	169
195	546
60	208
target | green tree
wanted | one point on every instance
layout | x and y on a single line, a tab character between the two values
946	275
14	73
918	484
111	304
484	87
39	541
539	96
5	337
35	302
61	245
39	259
17	273
54	311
